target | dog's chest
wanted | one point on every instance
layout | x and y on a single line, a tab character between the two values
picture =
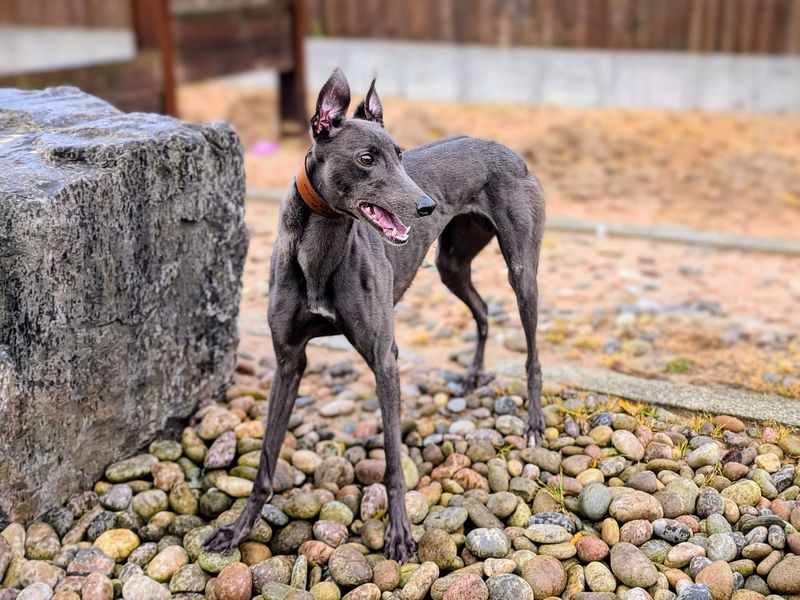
318	259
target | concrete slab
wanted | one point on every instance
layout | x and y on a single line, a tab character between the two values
32	49
653	80
571	77
660	233
721	400
677	235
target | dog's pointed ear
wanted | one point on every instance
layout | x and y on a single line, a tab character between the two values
332	104
371	108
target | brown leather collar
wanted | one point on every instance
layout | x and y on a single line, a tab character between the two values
311	196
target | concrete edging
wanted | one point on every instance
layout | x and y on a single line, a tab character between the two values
660	233
721	400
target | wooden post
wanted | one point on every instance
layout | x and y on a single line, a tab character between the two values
153	29
167	47
294	119
792	42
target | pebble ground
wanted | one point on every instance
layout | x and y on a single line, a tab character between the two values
621	501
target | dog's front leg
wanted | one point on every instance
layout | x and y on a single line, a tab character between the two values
399	545
291	364
376	344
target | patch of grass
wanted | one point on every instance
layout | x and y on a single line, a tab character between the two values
614	361
697	420
785	366
580	412
718	432
630	407
679	365
422	338
647	415
792	199
610	404
682	449
717	472
783	430
503	452
757	383
550	240
643	412
587	342
555	491
548	399
650	411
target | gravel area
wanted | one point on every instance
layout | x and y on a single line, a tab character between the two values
622	500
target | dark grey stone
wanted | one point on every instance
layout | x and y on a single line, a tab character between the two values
738	581
274	516
697	564
602	418
671	530
594	500
776	537
709	502
747	525
553	518
60	519
100	524
784	477
122	244
695	591
505	405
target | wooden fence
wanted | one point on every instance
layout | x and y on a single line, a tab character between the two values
113	14
177	41
739	26
214	38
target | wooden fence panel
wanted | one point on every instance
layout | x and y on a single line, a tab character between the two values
745	26
112	14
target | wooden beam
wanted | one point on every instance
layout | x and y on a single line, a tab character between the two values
292	83
167	47
153	31
792	44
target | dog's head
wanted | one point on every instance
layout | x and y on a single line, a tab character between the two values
359	168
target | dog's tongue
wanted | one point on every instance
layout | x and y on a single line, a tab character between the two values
390	222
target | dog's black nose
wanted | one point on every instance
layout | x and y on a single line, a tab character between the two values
425	206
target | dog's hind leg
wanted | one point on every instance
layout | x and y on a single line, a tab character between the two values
519	231
291	362
459	243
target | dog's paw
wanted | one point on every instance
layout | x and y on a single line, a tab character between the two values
534	432
225	540
476	379
399	545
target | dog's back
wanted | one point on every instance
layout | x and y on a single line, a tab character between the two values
477	183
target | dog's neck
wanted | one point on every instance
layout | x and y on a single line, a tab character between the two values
308	191
321	243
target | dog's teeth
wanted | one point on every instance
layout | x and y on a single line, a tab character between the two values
394	232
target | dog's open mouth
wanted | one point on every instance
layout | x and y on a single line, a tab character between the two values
386	222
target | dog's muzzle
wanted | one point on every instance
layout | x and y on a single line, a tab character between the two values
425	206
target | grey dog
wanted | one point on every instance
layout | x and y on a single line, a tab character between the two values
341	267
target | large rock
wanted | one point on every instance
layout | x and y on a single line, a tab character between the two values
122	244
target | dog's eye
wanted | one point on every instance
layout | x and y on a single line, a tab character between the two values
366	159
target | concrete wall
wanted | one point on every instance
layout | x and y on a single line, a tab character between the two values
31	49
673	80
